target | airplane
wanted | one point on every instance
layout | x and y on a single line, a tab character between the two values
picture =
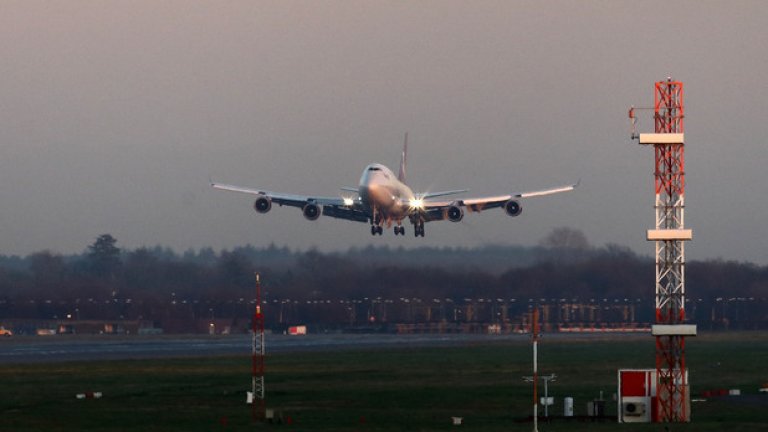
383	198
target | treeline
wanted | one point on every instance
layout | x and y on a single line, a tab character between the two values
550	271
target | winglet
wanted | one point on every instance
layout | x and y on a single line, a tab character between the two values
403	160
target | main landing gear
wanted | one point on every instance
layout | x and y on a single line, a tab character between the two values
418	229
376	221
377	226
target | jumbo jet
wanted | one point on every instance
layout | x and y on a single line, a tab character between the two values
383	198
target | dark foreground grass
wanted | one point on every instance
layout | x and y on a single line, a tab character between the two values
379	390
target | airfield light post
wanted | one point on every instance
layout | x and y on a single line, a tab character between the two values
547	379
669	235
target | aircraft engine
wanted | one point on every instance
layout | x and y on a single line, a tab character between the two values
455	213
263	204
311	211
512	208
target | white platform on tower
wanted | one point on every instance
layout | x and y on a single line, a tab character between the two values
669	234
662	138
673	330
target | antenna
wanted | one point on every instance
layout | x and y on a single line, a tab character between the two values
669	235
257	381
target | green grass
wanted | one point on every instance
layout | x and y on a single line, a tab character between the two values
388	389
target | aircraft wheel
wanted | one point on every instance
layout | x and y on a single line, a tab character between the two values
379	230
373	229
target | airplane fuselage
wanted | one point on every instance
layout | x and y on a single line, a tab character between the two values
383	194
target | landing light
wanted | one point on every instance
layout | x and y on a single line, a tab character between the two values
417	203
348	202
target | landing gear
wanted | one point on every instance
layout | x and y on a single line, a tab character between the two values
418	229
376	223
399	230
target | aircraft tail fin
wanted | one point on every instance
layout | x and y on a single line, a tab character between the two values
403	160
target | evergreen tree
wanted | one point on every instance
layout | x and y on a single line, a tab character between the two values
104	256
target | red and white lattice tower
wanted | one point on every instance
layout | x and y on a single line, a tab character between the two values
257	383
669	235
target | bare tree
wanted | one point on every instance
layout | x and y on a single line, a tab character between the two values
565	238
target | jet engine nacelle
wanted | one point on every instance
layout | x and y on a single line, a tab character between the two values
512	208
312	211
455	213
262	204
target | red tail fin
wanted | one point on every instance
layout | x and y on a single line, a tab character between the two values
403	160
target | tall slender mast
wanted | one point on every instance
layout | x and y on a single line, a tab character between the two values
535	333
257	382
669	236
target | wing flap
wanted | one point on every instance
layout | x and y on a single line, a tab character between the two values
345	213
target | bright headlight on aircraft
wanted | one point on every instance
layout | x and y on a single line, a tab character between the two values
417	203
348	201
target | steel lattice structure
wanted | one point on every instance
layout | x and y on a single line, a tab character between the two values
668	141
258	351
669	237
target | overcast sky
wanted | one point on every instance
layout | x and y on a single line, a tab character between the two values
114	114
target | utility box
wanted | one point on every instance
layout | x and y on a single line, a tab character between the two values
297	330
568	407
637	396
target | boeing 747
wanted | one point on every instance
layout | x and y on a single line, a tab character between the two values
383	198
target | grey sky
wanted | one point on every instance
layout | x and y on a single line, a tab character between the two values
113	115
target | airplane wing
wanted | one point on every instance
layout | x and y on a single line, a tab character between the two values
438	210
336	207
429	195
497	201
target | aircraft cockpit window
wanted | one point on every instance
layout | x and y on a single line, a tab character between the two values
374	169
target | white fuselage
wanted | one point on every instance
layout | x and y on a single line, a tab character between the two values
383	194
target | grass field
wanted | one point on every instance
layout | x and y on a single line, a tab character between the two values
379	390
